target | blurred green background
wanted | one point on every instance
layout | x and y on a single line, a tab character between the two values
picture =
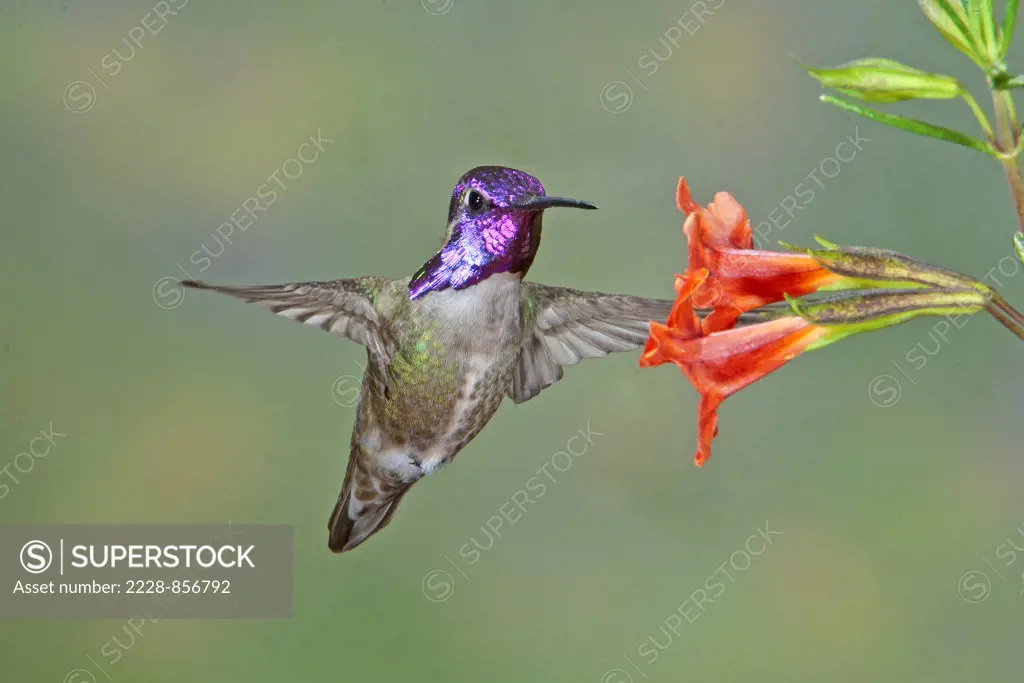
888	479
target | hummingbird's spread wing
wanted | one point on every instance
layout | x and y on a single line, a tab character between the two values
343	307
563	326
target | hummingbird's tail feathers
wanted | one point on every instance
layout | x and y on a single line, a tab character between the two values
348	530
365	506
342	307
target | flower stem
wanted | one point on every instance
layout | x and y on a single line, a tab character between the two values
1007	315
999	301
1007	322
978	114
1007	141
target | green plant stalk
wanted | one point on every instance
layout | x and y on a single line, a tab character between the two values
1004	305
1007	315
1007	139
978	113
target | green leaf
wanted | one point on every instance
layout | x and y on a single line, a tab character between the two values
1009	21
1018	245
884	80
950	20
982	24
912	125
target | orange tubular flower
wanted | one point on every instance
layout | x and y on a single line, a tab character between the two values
725	273
721	363
729	276
741	278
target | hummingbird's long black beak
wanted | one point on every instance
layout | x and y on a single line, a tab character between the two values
541	203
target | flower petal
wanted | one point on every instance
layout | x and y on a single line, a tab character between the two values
682	318
743	280
683	198
720	240
722	363
695	241
733	216
707	426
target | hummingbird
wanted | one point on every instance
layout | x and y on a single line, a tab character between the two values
448	344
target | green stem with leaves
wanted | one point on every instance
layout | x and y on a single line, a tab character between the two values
970	26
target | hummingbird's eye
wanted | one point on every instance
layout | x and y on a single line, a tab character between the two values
475	201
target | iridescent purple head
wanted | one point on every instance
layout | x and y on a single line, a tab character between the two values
494	224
